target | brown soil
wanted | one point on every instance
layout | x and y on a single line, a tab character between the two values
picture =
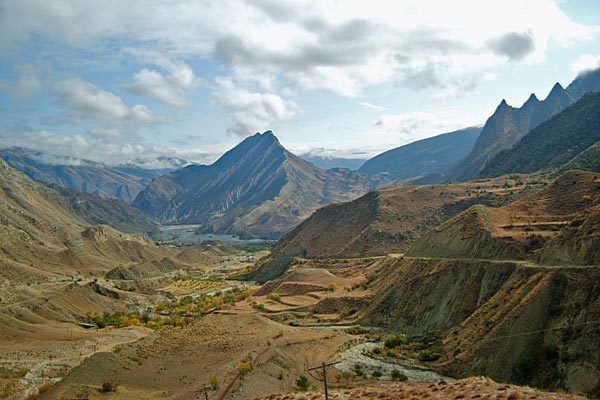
470	388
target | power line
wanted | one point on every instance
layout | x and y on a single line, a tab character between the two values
545	330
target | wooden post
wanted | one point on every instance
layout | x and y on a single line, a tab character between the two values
205	392
324	367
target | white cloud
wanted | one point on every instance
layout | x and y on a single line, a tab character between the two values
62	148
86	101
373	107
252	111
171	88
340	47
413	126
585	62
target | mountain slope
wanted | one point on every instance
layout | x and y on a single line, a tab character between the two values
257	189
101	211
508	124
554	142
41	239
556	226
326	162
428	156
385	221
122	183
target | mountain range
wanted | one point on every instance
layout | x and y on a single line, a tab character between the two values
257	189
509	124
554	142
120	182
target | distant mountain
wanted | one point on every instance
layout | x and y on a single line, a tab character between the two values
333	162
508	124
101	211
424	157
123	182
257	189
40	237
554	142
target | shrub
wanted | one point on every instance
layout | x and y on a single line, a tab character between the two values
397	375
377	374
275	297
358	370
214	382
525	367
428	355
302	383
108	387
396	340
244	367
331	287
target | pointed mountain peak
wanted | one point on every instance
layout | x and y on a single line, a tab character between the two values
532	99
556	89
258	137
503	106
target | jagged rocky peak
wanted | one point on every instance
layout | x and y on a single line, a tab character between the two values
532	100
503	106
557	89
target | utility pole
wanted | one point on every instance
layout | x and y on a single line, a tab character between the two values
205	389
324	367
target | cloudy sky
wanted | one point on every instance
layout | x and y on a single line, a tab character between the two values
124	80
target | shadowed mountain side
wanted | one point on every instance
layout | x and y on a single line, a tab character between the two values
122	183
102	211
485	311
257	189
554	142
424	157
508	124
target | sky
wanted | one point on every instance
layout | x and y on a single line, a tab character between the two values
117	81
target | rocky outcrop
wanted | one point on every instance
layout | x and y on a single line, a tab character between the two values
496	317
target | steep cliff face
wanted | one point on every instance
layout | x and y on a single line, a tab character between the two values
493	315
553	143
257	189
509	124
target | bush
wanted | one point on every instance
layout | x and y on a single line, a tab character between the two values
275	297
397	375
428	355
377	374
396	340
358	370
525	367
108	387
244	367
214	382
302	383
331	287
